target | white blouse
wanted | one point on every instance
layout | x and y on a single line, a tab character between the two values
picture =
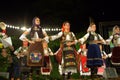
23	36
67	38
86	36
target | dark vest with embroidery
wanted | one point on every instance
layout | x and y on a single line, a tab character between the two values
91	37
38	30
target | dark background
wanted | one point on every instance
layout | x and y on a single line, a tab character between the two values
54	12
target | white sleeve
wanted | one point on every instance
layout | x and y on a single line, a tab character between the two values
54	37
109	39
109	55
17	50
84	38
51	53
44	32
105	53
23	36
101	38
79	50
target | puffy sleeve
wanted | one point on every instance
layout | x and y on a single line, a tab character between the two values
44	32
17	50
23	36
101	38
54	37
109	39
84	38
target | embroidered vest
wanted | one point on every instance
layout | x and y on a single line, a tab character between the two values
38	30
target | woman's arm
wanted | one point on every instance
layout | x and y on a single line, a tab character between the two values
23	36
101	39
109	39
54	37
50	52
46	38
84	38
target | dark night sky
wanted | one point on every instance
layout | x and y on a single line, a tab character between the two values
20	13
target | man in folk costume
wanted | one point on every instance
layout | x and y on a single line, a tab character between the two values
66	55
37	35
94	58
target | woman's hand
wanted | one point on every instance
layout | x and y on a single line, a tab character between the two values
107	42
31	42
97	41
38	40
70	43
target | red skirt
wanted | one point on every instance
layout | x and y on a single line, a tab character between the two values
115	55
84	61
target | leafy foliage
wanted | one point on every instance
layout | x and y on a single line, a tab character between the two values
4	63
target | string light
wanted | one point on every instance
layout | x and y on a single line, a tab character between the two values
25	28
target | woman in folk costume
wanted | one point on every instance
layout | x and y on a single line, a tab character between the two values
66	55
115	39
94	59
37	35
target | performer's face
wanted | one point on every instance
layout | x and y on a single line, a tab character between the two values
37	21
25	43
67	27
93	27
4	52
117	30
